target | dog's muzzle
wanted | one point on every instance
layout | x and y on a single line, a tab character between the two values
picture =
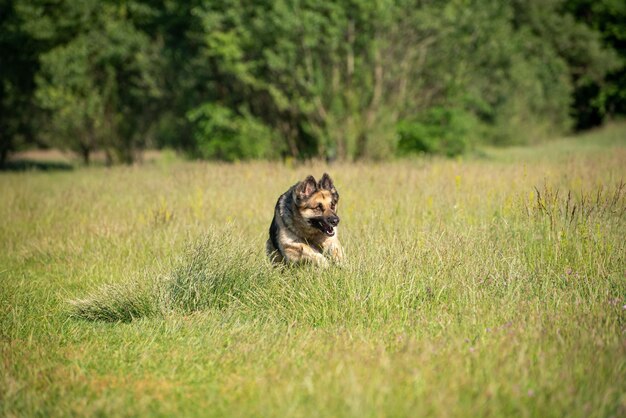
326	225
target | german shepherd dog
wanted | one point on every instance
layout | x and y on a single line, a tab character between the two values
304	228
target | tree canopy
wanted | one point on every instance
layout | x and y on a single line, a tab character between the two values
346	79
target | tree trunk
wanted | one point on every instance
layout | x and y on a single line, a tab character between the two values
374	105
344	147
108	158
350	53
288	132
85	153
4	154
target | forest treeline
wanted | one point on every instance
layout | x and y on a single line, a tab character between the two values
345	79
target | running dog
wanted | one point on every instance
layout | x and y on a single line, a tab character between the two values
304	228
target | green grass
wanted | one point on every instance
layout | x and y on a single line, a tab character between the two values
483	286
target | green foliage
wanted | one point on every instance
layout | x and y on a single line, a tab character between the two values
221	134
19	119
66	89
98	86
437	131
302	78
597	98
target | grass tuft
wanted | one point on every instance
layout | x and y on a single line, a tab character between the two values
115	302
212	273
218	269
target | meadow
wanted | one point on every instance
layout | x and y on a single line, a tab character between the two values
489	285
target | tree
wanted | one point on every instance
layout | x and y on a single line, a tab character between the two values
100	84
598	97
18	64
343	79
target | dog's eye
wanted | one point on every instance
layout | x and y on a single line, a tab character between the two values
332	206
320	207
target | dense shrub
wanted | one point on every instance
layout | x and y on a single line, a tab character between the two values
221	134
439	130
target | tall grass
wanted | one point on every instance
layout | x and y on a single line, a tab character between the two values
487	286
213	272
117	302
542	234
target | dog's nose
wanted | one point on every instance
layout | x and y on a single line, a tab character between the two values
333	220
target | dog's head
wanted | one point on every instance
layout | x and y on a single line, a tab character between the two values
317	204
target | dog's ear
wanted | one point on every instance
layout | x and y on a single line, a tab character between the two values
326	183
306	188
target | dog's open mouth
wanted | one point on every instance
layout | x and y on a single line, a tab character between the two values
323	226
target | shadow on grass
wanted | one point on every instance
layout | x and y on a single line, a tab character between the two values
33	165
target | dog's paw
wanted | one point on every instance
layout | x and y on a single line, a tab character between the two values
322	261
336	255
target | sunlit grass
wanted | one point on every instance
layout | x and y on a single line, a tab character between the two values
472	287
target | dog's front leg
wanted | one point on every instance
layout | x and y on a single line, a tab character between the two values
336	253
302	253
334	250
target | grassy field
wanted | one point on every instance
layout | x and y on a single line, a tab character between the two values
489	286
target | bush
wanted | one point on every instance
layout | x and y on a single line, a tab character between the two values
439	130
219	133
